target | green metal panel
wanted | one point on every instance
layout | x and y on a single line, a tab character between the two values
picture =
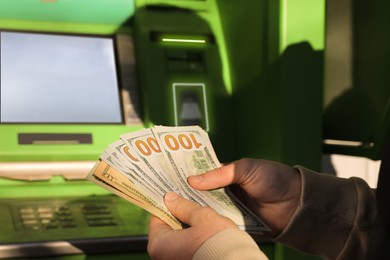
88	16
302	21
275	51
12	151
134	256
276	65
56	186
285	252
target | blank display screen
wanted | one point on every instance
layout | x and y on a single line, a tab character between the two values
58	79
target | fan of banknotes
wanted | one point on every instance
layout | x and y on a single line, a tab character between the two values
143	166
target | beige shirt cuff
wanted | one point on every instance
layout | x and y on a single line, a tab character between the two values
230	244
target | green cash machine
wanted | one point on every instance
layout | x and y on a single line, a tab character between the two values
77	74
68	88
73	78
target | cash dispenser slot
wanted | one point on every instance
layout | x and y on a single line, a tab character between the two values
184	52
185	61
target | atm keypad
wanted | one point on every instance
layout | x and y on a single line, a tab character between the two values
70	218
64	216
46	217
98	215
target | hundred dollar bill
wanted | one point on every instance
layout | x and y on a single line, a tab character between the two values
109	157
109	178
149	153
140	179
143	166
131	162
189	151
148	148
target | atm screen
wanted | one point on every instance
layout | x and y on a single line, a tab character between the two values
65	97
49	78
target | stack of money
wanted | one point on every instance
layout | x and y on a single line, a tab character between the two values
143	166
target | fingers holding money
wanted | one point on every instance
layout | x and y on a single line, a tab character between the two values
146	164
203	223
214	179
191	213
159	241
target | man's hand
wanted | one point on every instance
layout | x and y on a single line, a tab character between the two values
204	222
270	189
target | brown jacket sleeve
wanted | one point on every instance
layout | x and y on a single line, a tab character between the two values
334	218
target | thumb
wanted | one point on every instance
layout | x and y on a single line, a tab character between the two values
181	208
214	179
